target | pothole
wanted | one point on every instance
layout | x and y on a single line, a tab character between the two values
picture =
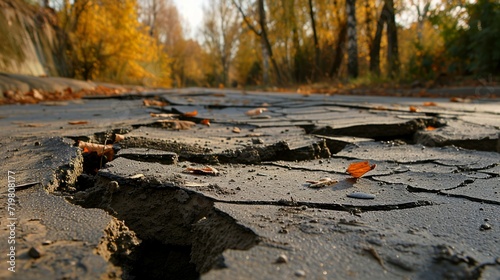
182	234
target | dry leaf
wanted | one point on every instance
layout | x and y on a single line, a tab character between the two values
106	150
358	169
136	176
413	109
190	114
218	95
78	122
255	112
37	95
205	122
207	170
177	124
254	135
460	100
380	108
153	102
31	124
168	116
430	128
430	104
323	182
236	130
119	137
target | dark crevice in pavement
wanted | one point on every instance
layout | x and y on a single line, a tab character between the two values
465	168
192	234
471	198
353	209
443	193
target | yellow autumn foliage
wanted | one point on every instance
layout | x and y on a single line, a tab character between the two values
110	44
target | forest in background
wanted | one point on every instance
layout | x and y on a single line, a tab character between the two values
278	43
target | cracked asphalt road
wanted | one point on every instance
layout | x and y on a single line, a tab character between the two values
433	213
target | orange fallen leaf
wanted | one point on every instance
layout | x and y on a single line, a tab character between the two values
358	169
106	150
255	112
153	102
191	114
430	104
78	122
413	109
177	124
430	128
205	122
459	100
207	170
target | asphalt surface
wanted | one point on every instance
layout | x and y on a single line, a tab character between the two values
232	200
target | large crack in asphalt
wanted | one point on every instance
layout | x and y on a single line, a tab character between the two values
182	233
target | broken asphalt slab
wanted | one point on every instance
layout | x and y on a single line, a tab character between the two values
432	210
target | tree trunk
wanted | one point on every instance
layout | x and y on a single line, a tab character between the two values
263	44
375	45
297	52
392	40
352	44
315	37
266	45
339	50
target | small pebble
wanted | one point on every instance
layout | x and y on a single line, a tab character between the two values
257	141
47	242
282	259
485	226
361	195
300	273
34	253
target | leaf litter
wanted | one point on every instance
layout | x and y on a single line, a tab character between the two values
206	170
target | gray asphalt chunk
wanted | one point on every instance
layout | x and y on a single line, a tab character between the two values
270	185
225	144
153	155
461	134
450	156
51	161
328	244
98	115
72	234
